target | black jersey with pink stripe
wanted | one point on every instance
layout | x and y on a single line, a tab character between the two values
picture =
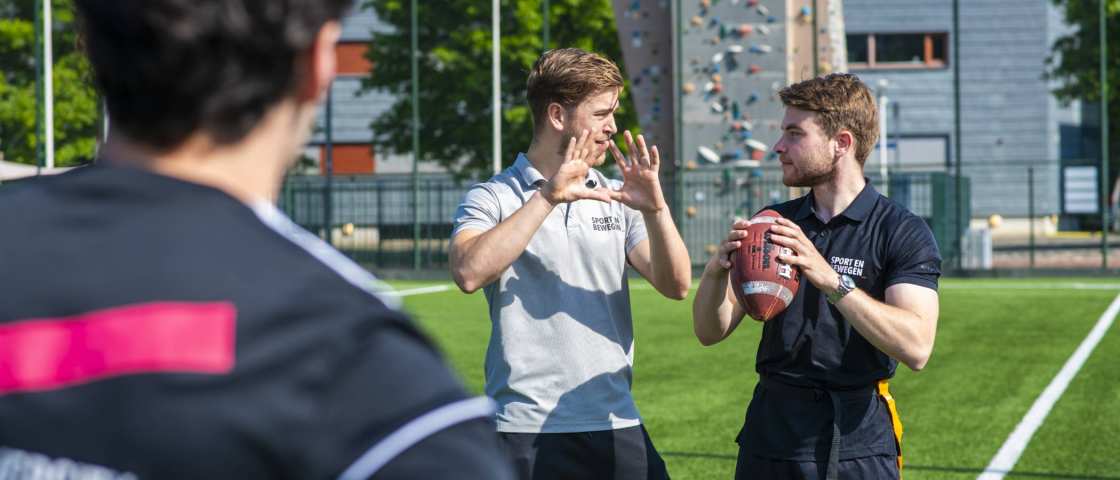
156	328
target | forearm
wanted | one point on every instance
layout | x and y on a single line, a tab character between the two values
671	269
482	259
712	310
895	331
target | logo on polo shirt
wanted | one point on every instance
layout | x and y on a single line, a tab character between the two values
606	224
847	266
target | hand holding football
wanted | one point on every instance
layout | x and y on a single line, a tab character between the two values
763	285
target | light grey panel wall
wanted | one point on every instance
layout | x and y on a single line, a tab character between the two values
352	111
360	22
1007	112
862	16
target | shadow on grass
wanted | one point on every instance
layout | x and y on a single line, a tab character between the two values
924	468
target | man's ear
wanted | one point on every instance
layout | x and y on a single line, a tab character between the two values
321	63
557	116
845	143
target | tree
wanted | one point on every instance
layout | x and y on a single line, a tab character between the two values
455	81
75	101
1075	63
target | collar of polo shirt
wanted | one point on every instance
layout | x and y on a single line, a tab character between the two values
857	211
531	177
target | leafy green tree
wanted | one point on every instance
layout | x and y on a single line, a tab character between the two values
455	81
1075	63
75	101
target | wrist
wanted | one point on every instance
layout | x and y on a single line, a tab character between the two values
658	209
842	286
546	192
714	268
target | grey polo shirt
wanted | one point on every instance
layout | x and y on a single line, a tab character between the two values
562	341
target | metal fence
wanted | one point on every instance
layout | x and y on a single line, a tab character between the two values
372	218
714	198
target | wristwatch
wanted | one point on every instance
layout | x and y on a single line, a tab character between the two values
845	287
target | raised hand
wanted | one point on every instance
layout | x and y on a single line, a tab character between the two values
568	184
641	187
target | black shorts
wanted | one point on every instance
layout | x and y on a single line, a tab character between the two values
624	454
878	467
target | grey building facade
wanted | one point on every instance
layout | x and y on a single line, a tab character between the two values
1010	122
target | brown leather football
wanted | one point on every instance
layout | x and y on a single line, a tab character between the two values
763	286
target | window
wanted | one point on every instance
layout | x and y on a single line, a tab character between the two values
897	50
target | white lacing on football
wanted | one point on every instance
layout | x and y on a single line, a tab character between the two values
772	289
762	219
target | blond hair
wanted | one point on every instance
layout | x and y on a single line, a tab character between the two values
567	76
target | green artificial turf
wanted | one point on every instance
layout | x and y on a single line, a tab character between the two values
999	344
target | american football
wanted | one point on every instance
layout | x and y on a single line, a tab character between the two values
763	286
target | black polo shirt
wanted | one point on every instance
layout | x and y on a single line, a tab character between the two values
878	243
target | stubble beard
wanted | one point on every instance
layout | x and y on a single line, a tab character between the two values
563	149
824	173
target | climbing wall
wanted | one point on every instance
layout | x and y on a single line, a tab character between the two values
733	61
645	34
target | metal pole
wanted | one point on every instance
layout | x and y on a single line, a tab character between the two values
104	121
1030	208
678	135
816	47
415	138
380	223
1104	135
545	25
40	150
957	131
496	74
48	83
328	189
883	154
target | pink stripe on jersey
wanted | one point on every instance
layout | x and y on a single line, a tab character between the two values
51	353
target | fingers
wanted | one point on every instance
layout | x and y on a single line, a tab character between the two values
586	146
788	225
792	259
601	194
643	152
612	194
577	147
570	152
725	252
631	148
736	235
654	158
620	159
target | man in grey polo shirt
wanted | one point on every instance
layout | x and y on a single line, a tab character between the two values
548	240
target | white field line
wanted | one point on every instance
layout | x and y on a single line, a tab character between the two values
419	290
1013	447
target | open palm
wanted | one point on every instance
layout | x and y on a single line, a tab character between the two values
641	187
568	184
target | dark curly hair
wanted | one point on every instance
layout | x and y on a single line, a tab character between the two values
170	68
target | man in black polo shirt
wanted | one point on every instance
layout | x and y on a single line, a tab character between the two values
160	318
868	299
